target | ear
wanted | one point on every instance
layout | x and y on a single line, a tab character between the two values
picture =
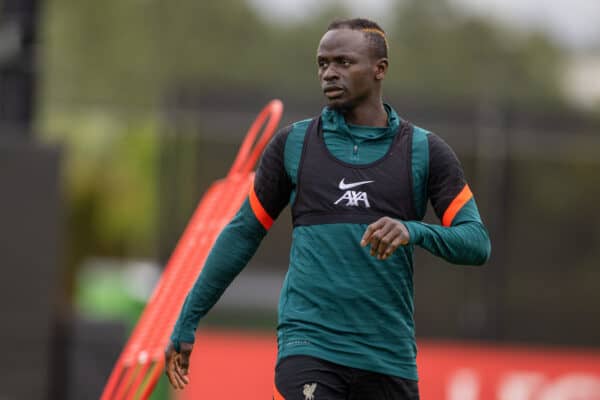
380	67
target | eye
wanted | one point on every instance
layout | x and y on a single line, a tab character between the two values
346	63
322	64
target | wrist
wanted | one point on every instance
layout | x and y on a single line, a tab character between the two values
414	231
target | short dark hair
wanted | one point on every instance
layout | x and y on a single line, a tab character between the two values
374	32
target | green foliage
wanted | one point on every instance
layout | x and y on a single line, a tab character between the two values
110	170
100	52
131	52
437	51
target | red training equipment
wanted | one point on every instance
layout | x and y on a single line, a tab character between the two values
140	364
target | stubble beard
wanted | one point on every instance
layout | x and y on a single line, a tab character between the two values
349	105
343	106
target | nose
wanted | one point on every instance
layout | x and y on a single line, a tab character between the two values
329	74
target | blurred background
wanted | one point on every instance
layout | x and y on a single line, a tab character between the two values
116	116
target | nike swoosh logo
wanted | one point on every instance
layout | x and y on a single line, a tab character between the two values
346	186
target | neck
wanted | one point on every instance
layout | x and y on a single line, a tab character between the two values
369	114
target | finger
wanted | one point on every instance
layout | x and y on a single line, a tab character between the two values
170	378
367	235
392	247
173	378
169	366
179	373
374	242
185	360
181	378
183	363
378	239
401	238
180	383
386	241
370	230
387	233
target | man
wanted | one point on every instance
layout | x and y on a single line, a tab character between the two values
358	179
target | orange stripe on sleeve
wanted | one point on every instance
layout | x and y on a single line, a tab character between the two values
276	394
459	201
259	211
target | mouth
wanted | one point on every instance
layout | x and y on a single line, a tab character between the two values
333	92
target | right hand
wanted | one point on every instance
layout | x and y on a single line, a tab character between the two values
177	364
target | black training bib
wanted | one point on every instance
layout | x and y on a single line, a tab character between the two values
332	191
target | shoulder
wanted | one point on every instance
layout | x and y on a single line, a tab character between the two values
431	144
440	152
420	146
427	137
435	143
298	129
419	135
286	145
430	152
294	135
302	124
290	132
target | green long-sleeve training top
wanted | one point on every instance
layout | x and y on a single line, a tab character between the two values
337	302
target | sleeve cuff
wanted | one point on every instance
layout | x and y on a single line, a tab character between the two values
415	230
177	339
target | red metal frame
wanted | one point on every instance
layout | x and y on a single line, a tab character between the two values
142	360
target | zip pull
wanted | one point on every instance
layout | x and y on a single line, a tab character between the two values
355	149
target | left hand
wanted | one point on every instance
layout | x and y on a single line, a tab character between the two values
385	235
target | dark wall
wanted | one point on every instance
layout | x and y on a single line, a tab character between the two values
30	243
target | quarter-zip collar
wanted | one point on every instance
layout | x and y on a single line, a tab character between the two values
334	122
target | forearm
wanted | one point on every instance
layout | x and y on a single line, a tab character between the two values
234	247
465	243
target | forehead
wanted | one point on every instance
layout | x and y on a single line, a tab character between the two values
343	41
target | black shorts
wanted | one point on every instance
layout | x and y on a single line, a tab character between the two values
311	378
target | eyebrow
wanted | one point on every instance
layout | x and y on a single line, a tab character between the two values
336	56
